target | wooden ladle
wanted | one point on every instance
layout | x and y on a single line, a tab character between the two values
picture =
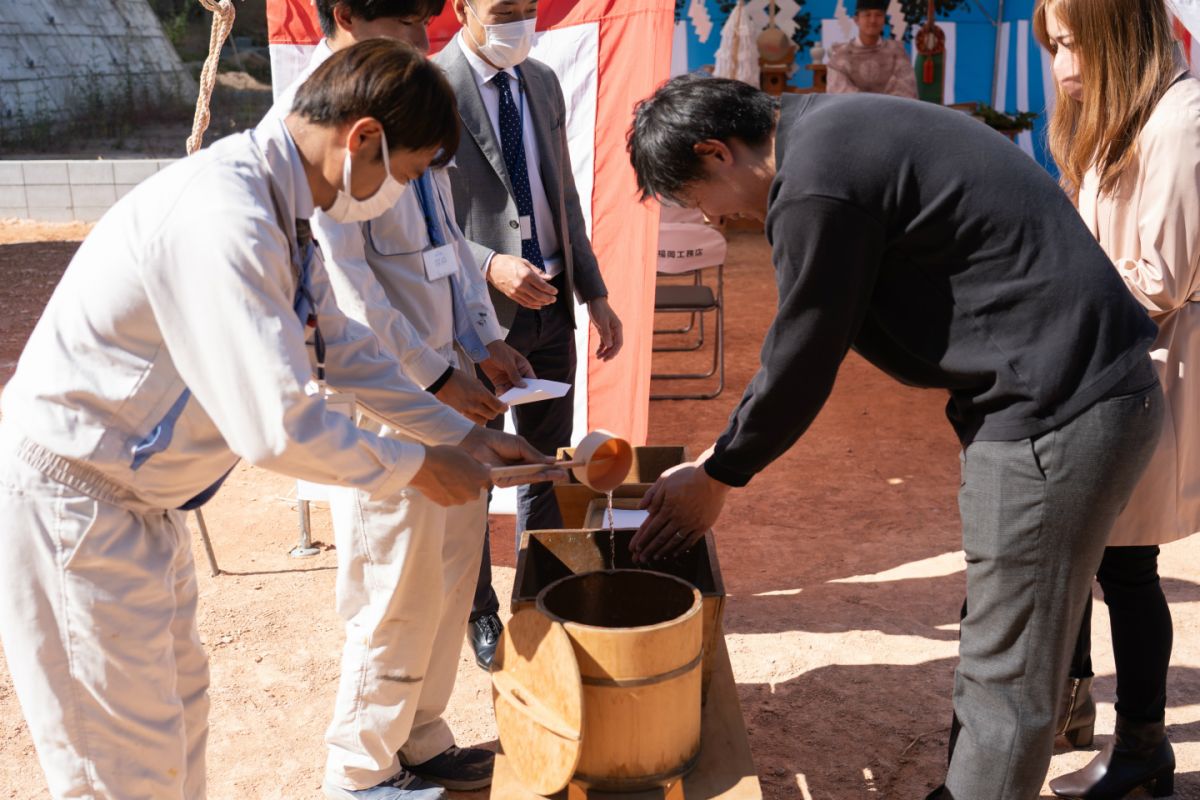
602	462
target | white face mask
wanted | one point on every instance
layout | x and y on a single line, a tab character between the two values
347	208
507	45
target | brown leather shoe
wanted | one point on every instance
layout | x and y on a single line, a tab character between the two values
1077	717
1138	755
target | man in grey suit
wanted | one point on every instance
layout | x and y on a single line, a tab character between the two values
515	199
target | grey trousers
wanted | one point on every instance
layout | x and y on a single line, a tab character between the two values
1036	515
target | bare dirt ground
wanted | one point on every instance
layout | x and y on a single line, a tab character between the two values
842	563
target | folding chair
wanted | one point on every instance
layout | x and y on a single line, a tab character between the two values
687	246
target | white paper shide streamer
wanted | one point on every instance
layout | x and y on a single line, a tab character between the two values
896	17
737	57
698	14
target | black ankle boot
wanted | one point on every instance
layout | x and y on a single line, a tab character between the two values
1138	755
1077	717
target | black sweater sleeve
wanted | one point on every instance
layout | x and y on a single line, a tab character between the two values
827	254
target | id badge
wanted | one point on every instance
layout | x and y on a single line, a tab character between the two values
440	262
526	227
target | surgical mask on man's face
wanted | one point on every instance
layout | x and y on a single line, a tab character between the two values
347	208
506	45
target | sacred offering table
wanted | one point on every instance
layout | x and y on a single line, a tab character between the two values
605	670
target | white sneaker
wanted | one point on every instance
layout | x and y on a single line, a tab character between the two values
402	786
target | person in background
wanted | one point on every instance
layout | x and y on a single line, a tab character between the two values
515	198
409	276
972	275
1125	134
174	346
869	62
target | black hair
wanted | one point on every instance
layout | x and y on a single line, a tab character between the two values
389	81
685	111
374	9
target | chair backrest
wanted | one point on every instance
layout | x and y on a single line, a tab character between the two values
689	246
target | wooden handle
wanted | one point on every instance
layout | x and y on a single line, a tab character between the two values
532	469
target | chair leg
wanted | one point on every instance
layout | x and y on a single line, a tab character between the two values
684	348
718	368
718	363
685	329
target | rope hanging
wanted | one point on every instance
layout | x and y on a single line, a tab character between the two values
222	24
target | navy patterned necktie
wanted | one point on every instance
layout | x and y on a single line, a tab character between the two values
513	145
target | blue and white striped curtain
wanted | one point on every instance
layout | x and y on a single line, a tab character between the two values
1014	77
1024	81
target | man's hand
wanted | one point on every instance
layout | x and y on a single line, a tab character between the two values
466	395
449	476
684	503
520	281
506	368
608	326
500	448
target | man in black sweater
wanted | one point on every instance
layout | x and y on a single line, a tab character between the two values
949	259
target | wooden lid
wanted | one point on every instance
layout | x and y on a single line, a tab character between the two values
538	696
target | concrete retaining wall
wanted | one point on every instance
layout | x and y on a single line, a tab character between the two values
61	58
62	191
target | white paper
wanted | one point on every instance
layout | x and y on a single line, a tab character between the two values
627	518
535	391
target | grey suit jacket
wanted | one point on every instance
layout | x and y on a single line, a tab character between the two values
483	197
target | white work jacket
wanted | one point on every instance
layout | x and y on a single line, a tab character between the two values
379	276
183	297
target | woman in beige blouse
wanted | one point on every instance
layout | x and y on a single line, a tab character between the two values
1126	136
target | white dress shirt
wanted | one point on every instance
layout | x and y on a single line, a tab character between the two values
543	218
189	282
383	284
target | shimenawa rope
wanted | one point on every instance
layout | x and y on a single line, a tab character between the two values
223	15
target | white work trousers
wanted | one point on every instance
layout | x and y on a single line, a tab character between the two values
407	569
98	622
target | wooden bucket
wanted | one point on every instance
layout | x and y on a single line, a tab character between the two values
547	556
637	638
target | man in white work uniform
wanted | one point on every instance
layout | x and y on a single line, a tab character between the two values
174	345
410	276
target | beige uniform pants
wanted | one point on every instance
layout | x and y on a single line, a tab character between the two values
406	576
98	622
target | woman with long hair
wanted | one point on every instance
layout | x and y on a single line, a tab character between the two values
1125	133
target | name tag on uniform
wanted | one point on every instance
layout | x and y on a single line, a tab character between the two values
440	262
526	227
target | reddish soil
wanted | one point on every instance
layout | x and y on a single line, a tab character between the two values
841	562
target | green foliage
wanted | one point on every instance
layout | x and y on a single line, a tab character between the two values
100	110
805	33
176	28
916	11
1017	121
168	9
